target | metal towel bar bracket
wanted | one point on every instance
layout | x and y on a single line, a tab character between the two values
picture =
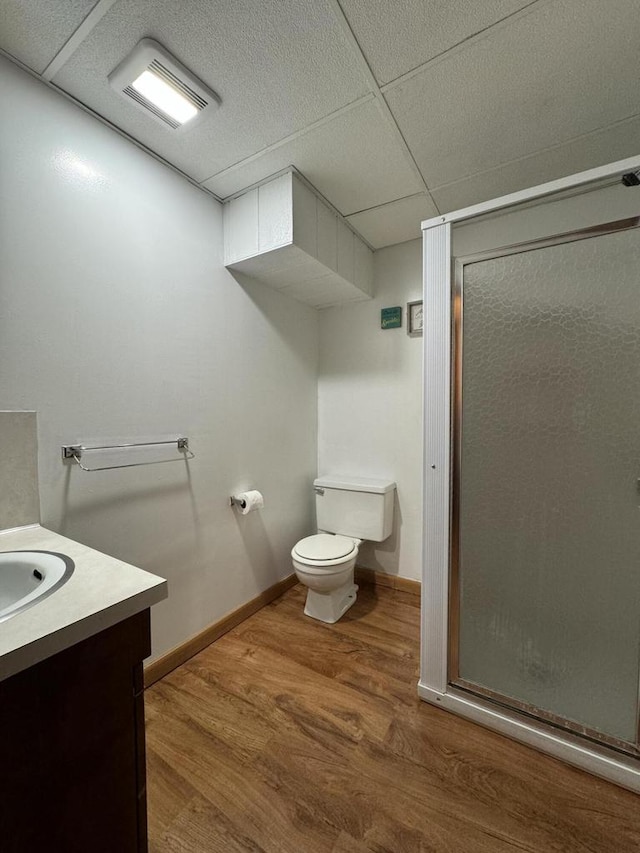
75	452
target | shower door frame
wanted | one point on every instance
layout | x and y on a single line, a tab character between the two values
439	578
457	384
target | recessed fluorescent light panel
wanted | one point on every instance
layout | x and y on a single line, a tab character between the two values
157	83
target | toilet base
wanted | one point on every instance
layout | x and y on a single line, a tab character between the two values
330	606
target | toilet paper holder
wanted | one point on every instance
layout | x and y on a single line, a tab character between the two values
246	502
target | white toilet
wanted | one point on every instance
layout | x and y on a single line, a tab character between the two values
349	510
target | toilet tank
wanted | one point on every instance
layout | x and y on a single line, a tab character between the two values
355	506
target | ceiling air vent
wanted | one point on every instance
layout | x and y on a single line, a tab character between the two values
158	84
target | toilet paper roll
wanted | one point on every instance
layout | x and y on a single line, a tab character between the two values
248	501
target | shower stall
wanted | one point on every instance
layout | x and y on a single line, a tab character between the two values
531	584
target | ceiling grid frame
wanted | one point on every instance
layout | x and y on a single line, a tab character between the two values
538	82
481	35
377	92
75	40
393	201
549	148
280	143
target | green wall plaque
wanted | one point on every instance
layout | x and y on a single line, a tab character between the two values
391	318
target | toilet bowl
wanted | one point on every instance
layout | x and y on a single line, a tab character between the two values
324	563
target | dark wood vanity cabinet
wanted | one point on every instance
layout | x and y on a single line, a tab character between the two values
72	757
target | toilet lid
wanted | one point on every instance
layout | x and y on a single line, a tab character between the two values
324	546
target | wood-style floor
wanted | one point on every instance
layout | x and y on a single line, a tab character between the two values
291	736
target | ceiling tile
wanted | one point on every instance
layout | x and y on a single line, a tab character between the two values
397	37
566	69
614	143
277	67
33	32
354	160
395	222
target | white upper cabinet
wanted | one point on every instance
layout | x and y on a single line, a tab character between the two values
284	235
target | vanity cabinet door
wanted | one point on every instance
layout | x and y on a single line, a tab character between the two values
72	751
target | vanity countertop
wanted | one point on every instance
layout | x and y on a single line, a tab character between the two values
101	592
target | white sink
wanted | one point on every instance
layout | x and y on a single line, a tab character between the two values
26	577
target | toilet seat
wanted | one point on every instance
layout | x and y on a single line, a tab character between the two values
324	549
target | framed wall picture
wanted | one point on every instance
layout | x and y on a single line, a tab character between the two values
414	319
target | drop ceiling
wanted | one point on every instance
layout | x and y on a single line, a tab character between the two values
394	111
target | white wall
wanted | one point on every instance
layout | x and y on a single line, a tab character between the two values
370	402
118	320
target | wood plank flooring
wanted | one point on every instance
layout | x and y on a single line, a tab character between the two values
290	736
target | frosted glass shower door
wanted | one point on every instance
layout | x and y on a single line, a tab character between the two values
546	494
